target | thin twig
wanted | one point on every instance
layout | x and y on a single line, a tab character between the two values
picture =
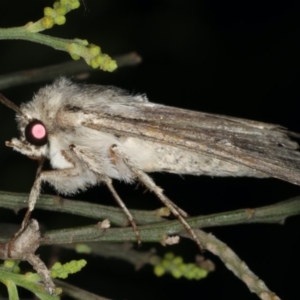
77	293
152	233
236	265
276	213
69	68
17	201
124	251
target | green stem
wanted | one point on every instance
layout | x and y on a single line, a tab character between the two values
155	232
20	280
276	213
17	201
77	293
21	33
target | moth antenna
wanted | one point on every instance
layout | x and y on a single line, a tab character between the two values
124	208
12	105
150	184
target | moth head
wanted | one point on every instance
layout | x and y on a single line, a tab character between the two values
33	133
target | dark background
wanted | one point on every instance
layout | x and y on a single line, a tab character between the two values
238	58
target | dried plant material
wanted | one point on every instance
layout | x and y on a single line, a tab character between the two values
170	240
105	224
23	247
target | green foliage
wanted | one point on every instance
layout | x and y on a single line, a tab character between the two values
11	266
62	271
9	276
54	16
175	266
77	48
91	54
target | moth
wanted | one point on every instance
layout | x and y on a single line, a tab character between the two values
93	134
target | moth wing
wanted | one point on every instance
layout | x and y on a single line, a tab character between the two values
260	146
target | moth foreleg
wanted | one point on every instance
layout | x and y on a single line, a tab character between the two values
44	176
150	184
41	176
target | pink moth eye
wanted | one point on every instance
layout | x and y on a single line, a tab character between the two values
36	133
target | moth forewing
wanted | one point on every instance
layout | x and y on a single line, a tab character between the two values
251	149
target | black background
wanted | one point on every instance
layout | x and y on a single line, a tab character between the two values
238	58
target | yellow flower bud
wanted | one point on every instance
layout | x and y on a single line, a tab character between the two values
47	22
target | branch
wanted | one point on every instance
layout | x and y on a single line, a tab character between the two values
77	293
69	68
23	247
116	216
209	242
236	265
276	213
157	232
124	251
77	48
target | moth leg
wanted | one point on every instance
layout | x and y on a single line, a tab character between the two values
122	205
150	184
86	157
35	192
36	188
30	208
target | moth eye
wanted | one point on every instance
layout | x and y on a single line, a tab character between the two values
36	133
